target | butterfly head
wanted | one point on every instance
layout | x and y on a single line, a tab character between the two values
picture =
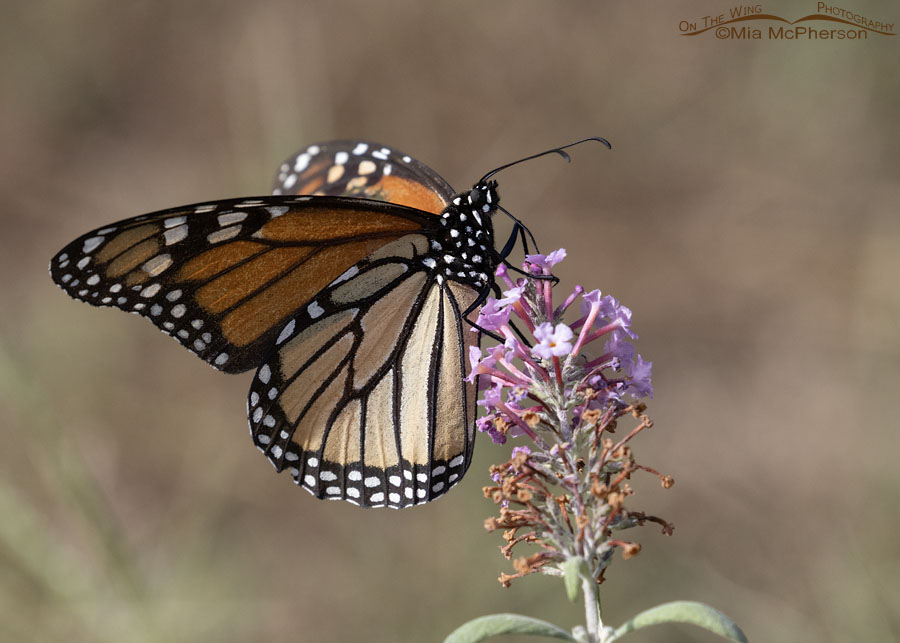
483	197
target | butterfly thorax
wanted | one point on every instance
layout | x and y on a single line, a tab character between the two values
464	249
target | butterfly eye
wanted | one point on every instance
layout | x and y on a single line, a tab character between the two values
476	196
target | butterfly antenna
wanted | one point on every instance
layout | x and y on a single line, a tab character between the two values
555	150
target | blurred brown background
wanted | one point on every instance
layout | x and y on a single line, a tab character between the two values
747	214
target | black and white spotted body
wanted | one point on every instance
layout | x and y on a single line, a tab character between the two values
465	252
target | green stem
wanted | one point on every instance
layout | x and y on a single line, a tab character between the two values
592	621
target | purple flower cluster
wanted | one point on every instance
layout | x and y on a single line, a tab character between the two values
523	379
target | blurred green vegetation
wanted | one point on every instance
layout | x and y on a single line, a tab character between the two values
747	214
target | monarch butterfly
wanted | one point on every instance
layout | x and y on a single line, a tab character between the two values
346	290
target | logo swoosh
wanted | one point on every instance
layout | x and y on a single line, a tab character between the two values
768	16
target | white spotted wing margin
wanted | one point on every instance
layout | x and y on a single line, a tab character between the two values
364	399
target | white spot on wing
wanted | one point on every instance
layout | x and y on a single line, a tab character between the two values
350	272
231	217
177	221
264	374
175	235
287	332
91	244
157	265
315	310
224	234
334	173
150	290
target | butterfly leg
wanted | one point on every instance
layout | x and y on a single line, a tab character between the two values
511	242
521	229
552	278
482	297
